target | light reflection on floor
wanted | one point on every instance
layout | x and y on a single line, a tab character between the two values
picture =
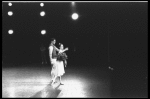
19	88
72	88
27	82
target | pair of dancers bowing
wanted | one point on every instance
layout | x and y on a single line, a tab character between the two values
58	60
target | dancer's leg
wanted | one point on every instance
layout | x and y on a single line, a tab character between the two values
60	80
53	79
53	71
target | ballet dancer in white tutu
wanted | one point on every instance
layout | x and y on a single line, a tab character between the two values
61	61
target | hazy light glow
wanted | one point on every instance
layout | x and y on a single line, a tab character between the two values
10	31
41	4
42	13
43	32
10	13
73	3
75	16
10	4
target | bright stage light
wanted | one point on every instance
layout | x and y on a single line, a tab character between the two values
10	4
75	16
10	13
43	32
41	4
10	31
42	13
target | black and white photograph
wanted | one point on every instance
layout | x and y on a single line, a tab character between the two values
74	49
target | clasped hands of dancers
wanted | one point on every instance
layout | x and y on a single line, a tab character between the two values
58	60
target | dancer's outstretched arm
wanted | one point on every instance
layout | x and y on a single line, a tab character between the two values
57	49
64	50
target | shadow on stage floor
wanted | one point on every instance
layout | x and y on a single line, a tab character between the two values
49	91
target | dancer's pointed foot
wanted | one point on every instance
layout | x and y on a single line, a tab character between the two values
52	82
61	83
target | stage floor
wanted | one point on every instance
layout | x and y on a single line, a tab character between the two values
88	81
33	80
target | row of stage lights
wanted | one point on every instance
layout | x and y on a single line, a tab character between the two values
42	13
41	4
11	31
10	13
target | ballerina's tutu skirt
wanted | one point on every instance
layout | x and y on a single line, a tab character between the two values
57	69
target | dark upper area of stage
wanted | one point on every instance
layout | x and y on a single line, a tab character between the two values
105	33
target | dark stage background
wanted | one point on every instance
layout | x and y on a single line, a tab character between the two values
106	34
